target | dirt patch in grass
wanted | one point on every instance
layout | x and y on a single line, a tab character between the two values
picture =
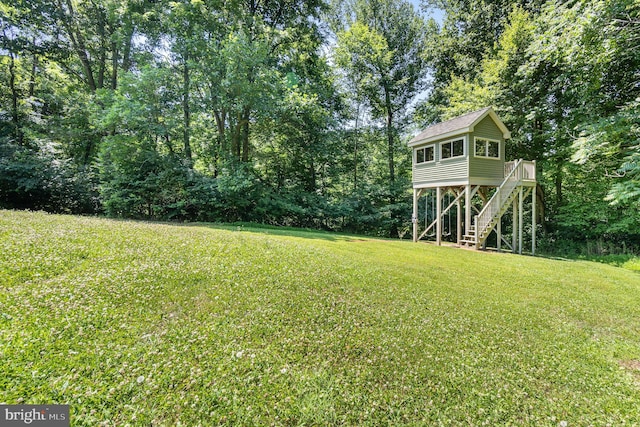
633	368
631	365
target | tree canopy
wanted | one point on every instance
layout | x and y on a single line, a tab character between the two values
297	112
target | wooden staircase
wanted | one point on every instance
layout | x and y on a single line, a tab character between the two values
517	174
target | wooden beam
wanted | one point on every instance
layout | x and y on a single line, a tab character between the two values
520	219
483	195
467	208
507	243
424	233
414	217
514	223
450	205
499	233
438	217
533	221
458	219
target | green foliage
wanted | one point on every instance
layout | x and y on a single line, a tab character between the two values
382	55
470	32
41	179
613	144
138	182
138	323
557	75
465	96
366	57
317	120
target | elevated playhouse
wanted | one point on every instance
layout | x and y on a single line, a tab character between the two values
461	163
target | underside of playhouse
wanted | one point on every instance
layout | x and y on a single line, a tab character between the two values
459	169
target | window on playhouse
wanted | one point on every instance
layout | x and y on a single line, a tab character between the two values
451	149
424	155
487	148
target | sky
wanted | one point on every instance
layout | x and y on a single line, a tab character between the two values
437	14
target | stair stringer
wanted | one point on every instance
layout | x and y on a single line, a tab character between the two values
493	210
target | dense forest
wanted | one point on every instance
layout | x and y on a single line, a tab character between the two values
298	112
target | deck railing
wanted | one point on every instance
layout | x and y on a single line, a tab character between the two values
528	169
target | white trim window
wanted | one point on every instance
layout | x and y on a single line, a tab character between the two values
451	149
425	154
488	148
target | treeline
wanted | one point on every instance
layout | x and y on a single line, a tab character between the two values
297	112
565	78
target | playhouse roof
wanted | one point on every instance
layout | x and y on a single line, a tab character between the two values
461	124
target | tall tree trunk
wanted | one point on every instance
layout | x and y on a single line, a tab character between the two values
245	134
102	57
355	151
114	65
220	117
390	144
34	70
393	231
235	135
15	96
186	109
77	41
126	52
558	184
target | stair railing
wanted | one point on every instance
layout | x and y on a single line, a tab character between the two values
492	208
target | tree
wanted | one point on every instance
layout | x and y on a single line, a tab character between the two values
470	32
241	46
556	75
612	144
383	49
80	47
364	56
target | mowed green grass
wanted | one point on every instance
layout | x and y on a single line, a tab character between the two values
150	324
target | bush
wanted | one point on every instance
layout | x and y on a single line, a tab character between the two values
37	178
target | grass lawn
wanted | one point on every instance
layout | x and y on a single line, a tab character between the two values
153	324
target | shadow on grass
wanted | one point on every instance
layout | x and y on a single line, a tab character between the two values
303	233
274	230
627	261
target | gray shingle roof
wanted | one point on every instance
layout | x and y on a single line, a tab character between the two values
450	126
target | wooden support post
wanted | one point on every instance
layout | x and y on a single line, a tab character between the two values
533	220
414	217
514	235
520	219
499	232
459	222
426	210
438	214
467	208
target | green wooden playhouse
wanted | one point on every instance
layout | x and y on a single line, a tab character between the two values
461	164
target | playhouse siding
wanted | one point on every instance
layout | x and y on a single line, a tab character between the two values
486	168
483	167
487	129
448	171
442	171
